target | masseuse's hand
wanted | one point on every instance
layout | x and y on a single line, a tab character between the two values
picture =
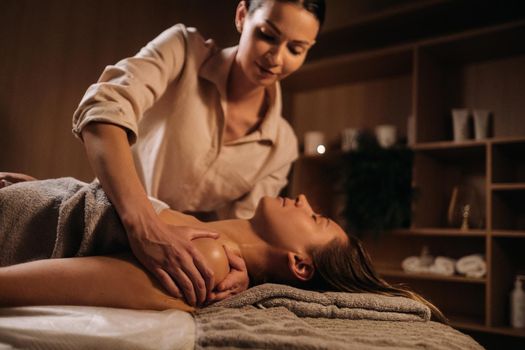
167	251
235	282
7	178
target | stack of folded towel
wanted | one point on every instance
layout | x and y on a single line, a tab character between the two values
470	265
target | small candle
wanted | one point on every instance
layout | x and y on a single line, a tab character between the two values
314	143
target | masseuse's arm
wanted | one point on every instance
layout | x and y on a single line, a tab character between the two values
118	281
165	250
123	93
121	96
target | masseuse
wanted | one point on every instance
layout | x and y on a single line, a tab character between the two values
198	128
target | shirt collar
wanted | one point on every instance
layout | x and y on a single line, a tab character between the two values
217	68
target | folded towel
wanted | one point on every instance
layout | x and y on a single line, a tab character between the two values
237	324
443	266
472	266
306	303
440	265
413	264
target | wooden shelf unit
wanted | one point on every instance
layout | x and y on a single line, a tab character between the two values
422	81
398	273
410	20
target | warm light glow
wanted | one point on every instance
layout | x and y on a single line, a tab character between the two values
321	149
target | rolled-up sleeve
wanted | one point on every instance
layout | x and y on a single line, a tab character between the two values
127	89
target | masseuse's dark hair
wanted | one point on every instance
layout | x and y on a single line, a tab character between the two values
315	7
347	267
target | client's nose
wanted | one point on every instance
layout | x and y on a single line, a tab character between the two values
303	202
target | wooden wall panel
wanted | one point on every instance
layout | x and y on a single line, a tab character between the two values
498	86
51	51
361	105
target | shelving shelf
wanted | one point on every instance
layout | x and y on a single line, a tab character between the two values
472	68
429	276
437	145
352	67
438	232
509	233
411	21
514	332
467	323
508	186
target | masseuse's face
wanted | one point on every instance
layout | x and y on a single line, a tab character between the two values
291	224
274	41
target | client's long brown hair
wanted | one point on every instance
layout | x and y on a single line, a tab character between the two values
347	267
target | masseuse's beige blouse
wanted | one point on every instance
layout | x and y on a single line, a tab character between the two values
171	97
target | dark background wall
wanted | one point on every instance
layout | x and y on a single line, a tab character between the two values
52	50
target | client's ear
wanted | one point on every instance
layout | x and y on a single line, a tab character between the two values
301	266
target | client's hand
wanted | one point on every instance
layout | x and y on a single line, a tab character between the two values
168	253
235	282
8	178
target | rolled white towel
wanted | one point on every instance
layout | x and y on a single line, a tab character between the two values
472	266
443	266
413	264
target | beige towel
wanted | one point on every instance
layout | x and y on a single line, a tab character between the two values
57	218
472	266
280	317
306	303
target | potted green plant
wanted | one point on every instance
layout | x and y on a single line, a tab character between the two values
377	184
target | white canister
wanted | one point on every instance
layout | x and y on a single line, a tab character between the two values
460	124
481	123
349	140
386	135
314	142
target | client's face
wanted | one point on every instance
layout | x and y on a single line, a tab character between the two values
291	224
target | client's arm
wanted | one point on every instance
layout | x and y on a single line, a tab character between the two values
90	281
118	281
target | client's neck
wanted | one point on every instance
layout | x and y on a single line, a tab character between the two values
263	260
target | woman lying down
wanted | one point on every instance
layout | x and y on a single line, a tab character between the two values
285	242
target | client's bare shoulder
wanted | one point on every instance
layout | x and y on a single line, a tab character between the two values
211	249
213	252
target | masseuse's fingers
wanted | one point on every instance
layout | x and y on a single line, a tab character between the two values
236	262
185	285
207	274
167	282
192	274
218	296
200	262
235	282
